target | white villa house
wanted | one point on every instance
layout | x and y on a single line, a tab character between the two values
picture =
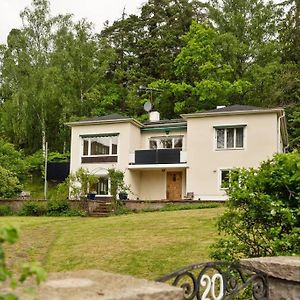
181	158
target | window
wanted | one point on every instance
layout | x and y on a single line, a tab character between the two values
166	142
101	187
224	179
100	145
230	137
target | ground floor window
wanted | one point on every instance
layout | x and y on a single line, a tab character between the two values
102	186
224	178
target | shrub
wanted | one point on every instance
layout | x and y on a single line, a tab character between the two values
57	207
5	210
33	208
263	215
12	160
9	184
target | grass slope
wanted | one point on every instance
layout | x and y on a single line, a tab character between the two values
144	245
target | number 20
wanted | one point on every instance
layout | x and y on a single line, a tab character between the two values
205	281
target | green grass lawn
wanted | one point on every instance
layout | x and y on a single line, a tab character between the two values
144	245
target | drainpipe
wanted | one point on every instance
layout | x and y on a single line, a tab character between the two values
279	134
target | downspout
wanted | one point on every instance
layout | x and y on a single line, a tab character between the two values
279	134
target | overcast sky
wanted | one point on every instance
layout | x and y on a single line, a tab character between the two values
96	11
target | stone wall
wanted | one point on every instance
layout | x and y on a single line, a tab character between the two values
283	275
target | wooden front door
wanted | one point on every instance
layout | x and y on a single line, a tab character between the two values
174	185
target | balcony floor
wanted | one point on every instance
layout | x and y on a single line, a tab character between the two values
158	166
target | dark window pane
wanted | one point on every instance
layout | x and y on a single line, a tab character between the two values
153	144
114	145
178	142
230	137
239	137
224	179
220	138
100	146
85	147
166	143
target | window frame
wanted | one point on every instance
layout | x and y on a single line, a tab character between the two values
225	128
220	178
88	138
159	138
108	186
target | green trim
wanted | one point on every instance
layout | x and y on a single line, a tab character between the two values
98	135
164	128
230	126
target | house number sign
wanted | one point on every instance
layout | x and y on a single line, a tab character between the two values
210	285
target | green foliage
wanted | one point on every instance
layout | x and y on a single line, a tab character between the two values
36	162
9	184
12	160
33	208
262	218
80	182
57	207
117	184
58	157
5	210
10	235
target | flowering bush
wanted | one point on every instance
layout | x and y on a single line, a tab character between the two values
263	214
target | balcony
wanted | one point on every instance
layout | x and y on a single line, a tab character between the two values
158	157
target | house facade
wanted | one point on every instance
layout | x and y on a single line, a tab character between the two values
190	157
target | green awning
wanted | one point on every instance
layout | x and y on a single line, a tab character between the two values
98	135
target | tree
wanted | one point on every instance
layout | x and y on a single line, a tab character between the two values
205	78
262	216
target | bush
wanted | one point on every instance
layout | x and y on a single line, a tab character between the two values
9	184
58	207
5	210
33	208
263	215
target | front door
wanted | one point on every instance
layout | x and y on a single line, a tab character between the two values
174	185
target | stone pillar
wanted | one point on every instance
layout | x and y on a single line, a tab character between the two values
99	285
284	275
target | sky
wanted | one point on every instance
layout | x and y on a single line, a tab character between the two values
96	11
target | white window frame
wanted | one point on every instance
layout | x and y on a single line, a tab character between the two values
108	187
173	137
225	127
83	138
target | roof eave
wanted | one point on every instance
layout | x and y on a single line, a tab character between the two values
99	122
228	113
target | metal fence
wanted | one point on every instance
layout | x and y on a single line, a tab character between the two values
219	281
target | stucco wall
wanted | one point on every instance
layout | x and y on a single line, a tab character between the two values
205	162
129	139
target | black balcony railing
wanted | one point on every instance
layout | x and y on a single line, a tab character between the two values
157	156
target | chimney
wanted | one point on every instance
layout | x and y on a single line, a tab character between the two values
221	106
154	116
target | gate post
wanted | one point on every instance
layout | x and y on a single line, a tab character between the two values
283	275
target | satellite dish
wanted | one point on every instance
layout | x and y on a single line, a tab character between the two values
147	106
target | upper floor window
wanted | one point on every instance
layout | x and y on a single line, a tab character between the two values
230	137
166	142
100	145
